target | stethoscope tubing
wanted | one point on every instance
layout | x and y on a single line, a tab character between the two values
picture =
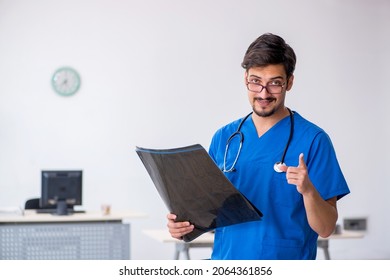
241	135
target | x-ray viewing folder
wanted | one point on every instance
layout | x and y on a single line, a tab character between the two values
195	189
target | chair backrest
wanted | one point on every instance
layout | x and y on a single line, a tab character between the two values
32	203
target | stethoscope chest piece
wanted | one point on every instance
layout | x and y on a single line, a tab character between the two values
278	165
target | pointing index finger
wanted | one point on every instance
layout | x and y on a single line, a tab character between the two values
301	160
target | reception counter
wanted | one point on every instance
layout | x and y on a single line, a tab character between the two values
80	236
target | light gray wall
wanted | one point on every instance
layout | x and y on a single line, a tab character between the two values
166	74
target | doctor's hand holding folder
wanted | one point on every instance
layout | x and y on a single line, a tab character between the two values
195	191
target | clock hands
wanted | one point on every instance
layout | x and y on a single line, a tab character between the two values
66	81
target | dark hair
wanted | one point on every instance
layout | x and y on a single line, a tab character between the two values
270	49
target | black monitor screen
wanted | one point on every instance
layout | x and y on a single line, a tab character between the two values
61	188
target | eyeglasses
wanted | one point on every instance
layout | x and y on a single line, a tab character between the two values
271	88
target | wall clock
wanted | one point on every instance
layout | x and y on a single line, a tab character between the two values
66	81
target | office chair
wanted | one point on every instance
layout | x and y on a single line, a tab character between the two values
32	203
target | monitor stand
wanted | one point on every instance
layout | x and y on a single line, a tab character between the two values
62	208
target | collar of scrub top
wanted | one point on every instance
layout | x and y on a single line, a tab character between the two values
239	134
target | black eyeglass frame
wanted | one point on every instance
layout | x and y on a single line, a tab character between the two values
266	87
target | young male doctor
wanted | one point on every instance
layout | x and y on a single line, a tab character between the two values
284	164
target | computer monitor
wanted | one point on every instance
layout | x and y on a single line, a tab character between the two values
62	189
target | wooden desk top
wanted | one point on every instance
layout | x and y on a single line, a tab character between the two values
30	216
345	234
163	235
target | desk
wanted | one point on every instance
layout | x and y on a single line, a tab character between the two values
207	239
324	242
81	236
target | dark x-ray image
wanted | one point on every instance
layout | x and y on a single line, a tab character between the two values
195	189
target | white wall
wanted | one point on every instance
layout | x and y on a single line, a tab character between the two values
167	73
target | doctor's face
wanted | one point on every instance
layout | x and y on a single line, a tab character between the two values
267	87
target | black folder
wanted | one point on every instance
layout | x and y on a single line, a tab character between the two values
195	189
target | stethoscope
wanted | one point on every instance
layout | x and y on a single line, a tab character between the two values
238	133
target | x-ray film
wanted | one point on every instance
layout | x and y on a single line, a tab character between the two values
195	189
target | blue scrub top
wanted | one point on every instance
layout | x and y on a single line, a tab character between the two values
283	232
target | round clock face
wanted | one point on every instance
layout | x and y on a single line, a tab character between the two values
66	81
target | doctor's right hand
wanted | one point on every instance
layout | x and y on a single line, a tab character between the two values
178	229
